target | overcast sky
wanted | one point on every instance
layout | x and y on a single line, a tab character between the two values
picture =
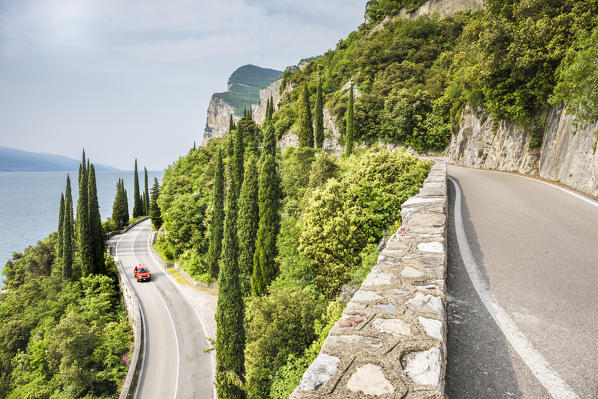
133	78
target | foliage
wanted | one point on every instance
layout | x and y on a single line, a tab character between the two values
345	215
230	334
278	325
137	200
120	206
378	9
305	130
68	234
84	241
146	196
98	246
154	209
319	116
350	130
265	266
60	338
248	222
217	217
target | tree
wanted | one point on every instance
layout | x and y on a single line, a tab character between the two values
237	162
60	224
319	131
350	132
269	110
84	240
95	225
230	313
154	209
305	132
248	222
120	206
67	233
217	220
146	197
265	267
137	200
231	144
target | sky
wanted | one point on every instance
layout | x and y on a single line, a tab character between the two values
132	79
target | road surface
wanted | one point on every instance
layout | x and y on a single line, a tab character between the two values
175	364
523	302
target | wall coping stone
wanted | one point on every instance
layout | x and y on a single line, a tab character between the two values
391	339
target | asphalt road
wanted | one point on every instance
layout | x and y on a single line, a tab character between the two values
175	364
536	250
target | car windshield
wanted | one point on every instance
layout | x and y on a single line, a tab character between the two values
142	270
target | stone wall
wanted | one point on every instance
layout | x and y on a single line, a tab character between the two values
567	155
390	340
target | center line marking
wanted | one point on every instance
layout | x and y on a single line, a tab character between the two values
551	380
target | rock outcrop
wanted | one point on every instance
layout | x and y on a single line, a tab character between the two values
444	8
244	89
568	153
259	110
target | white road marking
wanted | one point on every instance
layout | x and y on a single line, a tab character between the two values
204	326
551	380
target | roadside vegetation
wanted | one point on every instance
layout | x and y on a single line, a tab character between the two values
63	329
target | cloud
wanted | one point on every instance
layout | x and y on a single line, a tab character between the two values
93	71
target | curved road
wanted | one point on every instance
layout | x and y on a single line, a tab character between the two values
175	364
523	288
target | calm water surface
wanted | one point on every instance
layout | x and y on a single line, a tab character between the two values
29	204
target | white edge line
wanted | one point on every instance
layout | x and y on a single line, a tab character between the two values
176	386
204	326
551	380
139	378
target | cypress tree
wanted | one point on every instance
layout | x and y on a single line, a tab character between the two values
230	313
248	222
305	134
137	201
154	209
264	263
95	224
120	206
125	203
67	233
231	144
60	224
146	196
350	131
237	163
216	223
319	130
83	229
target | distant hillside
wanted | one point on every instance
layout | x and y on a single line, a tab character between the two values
243	90
13	160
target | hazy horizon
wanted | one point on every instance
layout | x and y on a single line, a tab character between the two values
133	80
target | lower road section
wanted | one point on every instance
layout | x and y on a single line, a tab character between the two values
174	364
523	289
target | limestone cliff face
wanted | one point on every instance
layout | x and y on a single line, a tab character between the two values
567	155
259	110
217	121
444	8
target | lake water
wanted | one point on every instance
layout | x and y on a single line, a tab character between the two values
29	203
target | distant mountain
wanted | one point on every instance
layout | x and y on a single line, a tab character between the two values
243	91
13	160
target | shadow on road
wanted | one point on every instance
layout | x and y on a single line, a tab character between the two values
479	364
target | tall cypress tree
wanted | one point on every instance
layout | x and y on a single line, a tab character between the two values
137	201
146	197
67	233
305	134
154	209
120	206
60	224
350	131
248	222
319	117
84	240
217	220
237	164
231	140
95	225
264	263
230	313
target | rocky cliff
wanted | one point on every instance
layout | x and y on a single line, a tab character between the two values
259	110
243	91
568	153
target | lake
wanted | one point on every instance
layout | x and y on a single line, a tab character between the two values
29	203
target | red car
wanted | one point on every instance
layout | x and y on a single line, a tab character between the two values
142	273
